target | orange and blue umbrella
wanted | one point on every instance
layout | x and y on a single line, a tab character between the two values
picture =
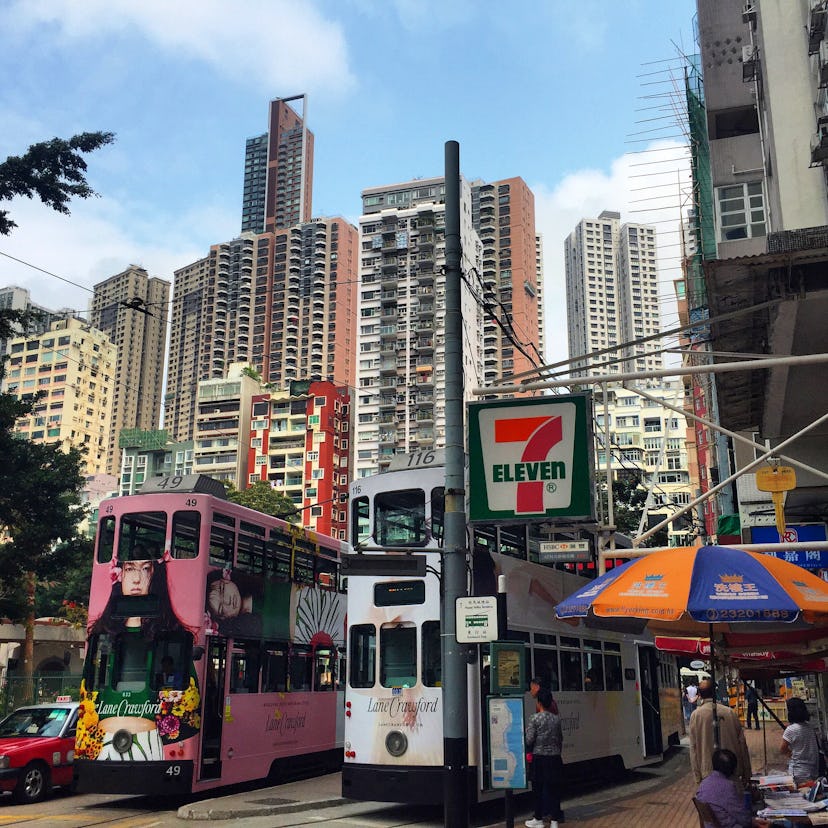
701	589
708	585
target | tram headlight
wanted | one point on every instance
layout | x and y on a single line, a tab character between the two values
396	743
4	762
122	741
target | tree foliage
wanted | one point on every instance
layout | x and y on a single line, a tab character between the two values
55	171
629	498
262	497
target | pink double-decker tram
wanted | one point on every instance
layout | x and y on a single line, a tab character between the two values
215	649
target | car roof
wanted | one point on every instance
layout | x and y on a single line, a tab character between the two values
48	706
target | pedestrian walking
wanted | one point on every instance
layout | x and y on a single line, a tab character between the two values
752	699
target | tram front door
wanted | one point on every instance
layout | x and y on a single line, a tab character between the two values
210	765
650	707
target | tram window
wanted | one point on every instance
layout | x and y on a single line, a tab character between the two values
546	667
543	638
185	534
571	672
398	654
244	667
170	663
142	536
250	554
131	659
360	521
106	539
323	669
432	660
513	541
279	554
224	520
326	573
399	593
303	567
612	663
399	518
593	670
341	671
221	547
438	510
274	668
252	528
363	649
300	668
97	666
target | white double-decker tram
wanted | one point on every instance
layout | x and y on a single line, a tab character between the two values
618	697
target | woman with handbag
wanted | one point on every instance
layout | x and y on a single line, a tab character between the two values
801	743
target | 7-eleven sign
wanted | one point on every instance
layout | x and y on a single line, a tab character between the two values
530	458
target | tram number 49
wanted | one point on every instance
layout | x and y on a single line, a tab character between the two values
173	770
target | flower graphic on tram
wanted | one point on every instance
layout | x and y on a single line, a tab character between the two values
89	735
178	708
319	611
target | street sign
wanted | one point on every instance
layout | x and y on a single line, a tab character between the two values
476	619
531	459
564	552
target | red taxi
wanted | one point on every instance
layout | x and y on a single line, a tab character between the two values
37	746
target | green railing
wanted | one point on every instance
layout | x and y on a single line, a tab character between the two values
40	688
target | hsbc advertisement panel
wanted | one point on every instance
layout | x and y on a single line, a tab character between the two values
531	459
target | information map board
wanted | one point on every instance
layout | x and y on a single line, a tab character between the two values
507	753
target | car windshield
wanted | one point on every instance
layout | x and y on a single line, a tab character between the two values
34	721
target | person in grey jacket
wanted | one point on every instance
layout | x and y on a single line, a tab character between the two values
544	738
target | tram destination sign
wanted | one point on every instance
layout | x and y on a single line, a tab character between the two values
531	459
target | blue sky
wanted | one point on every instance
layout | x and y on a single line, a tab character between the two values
574	97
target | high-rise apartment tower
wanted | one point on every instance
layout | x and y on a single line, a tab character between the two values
612	295
278	170
503	213
401	375
131	308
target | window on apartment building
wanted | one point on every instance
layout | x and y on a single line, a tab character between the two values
740	211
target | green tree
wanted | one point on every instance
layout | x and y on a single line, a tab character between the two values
68	576
262	497
40	507
55	171
629	497
40	485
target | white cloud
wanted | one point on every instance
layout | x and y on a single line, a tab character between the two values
99	239
274	44
647	188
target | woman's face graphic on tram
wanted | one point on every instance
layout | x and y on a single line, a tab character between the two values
137	576
224	600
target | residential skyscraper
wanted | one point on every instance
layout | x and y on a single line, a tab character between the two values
304	313
132	308
295	321
20	299
503	213
400	390
278	170
73	366
300	441
209	327
612	294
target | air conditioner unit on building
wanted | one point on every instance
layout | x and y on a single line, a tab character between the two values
823	63
750	63
749	13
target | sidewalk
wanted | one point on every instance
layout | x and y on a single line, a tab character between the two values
656	795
